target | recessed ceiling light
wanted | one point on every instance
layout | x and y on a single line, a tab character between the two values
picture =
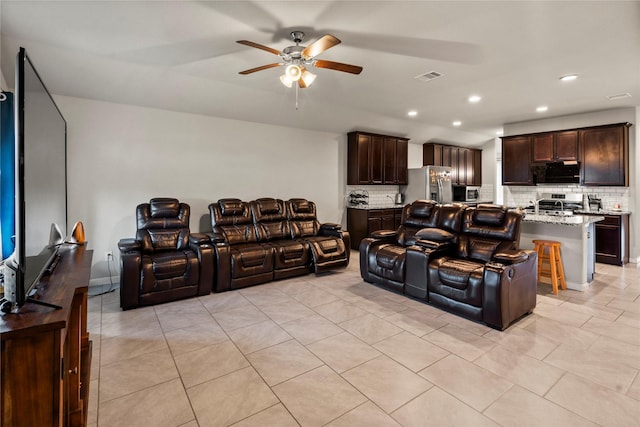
412	113
457	123
568	78
475	98
542	109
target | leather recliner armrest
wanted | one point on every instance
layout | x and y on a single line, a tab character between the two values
201	244
331	225
130	258
510	256
197	239
330	229
430	244
129	245
384	234
216	238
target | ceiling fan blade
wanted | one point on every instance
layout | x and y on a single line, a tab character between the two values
338	66
317	47
259	46
263	67
302	84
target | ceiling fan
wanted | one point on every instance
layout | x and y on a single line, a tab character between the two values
297	58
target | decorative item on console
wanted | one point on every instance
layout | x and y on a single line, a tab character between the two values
358	198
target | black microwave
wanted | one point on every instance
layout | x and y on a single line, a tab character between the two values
567	172
465	193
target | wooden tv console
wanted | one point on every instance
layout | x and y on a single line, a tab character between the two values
46	353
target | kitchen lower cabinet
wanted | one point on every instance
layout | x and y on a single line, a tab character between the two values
362	222
612	240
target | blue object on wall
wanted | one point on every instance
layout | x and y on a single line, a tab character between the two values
7	176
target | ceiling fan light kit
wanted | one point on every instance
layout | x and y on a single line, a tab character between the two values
297	58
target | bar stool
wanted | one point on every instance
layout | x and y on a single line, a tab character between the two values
553	258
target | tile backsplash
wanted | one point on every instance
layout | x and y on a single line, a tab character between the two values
517	196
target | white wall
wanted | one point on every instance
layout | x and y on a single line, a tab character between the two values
3	82
628	196
121	155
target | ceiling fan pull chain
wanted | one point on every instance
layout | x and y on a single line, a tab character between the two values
296	96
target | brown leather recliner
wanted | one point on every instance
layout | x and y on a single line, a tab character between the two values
485	277
165	262
383	255
330	245
240	259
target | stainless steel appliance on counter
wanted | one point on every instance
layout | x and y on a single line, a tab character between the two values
430	183
465	193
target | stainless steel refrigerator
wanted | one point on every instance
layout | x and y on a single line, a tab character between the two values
429	183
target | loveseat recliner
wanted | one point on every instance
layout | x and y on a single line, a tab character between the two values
472	266
165	262
267	239
383	255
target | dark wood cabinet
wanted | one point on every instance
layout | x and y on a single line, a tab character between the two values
46	353
402	161
612	240
376	159
362	222
516	160
566	145
604	151
465	163
554	146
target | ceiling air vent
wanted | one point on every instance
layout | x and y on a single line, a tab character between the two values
431	75
619	96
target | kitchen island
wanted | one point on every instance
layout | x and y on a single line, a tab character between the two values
576	233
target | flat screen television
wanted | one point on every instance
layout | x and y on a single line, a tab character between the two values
41	183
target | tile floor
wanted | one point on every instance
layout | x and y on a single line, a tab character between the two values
333	350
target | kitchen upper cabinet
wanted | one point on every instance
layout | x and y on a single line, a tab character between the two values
554	146
473	167
376	159
395	160
516	160
566	145
402	161
465	163
604	151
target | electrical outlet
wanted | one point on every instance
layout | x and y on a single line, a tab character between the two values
108	255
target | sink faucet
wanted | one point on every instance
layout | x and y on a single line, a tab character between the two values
391	198
561	204
536	205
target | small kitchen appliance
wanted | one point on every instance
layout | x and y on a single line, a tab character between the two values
595	204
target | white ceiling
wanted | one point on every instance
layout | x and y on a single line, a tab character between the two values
182	56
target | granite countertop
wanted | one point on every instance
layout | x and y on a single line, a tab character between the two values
379	206
602	212
571	220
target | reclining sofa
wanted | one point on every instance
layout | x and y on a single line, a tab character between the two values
269	239
464	260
